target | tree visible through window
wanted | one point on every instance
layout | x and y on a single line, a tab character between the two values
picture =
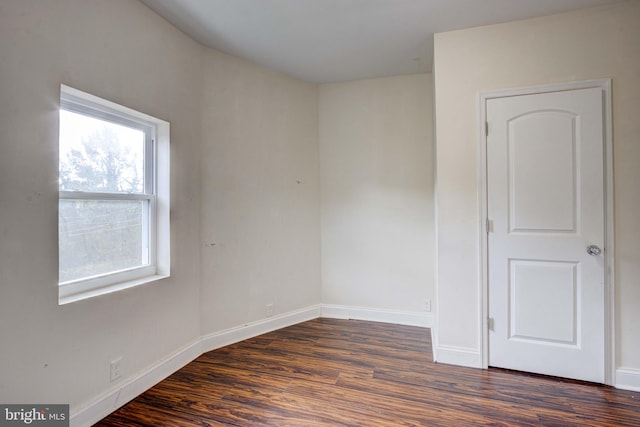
100	236
107	217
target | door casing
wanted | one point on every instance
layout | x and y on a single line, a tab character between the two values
609	298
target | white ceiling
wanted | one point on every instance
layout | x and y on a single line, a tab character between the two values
337	40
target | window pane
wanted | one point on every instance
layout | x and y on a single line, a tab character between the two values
98	237
100	156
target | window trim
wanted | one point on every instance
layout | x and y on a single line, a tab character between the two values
156	192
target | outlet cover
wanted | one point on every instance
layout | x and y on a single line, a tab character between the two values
115	369
427	305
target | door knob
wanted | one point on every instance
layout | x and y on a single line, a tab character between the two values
593	250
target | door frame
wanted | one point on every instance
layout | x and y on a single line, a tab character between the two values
483	270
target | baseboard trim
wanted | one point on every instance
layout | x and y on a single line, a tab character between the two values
459	356
250	330
410	318
628	379
137	384
134	386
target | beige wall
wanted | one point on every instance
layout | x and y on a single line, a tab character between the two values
593	43
244	164
121	51
245	193
260	193
376	166
245	196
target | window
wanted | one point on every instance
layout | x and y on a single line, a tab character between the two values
113	209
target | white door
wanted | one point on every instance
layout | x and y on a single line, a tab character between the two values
545	188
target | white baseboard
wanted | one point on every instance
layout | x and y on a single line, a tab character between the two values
458	356
411	318
134	386
139	383
250	330
628	379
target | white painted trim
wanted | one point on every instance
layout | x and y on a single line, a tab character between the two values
609	252
134	386
460	356
66	297
483	261
628	379
159	198
250	330
483	299
411	318
436	234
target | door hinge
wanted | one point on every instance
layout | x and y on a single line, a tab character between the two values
490	323
486	128
489	226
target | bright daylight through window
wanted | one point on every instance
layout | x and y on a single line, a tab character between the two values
113	208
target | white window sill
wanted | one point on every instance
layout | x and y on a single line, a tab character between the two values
66	298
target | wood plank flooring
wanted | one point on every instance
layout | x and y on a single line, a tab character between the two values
329	372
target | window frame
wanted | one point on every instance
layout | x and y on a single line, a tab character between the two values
155	193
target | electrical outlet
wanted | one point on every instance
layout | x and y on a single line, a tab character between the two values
115	369
427	305
269	310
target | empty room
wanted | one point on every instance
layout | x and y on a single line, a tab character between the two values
319	212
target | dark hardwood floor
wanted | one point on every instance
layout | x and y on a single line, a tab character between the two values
329	372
